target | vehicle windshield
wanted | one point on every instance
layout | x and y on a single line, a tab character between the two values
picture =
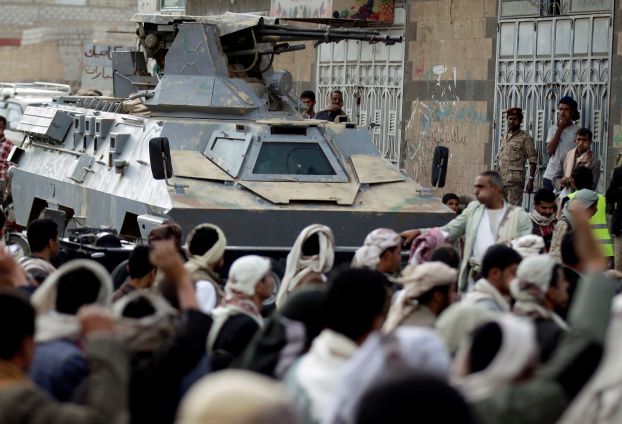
292	159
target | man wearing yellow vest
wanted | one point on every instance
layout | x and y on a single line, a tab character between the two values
582	178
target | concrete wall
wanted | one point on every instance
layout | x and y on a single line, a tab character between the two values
449	87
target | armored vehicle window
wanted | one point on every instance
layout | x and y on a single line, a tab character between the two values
292	159
230	149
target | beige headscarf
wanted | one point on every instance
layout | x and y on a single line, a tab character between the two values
148	333
518	348
299	266
376	242
212	256
528	245
458	321
417	280
529	288
237	397
52	325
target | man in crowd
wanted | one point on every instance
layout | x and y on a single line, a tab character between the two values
381	251
334	112
515	149
308	99
238	319
44	244
581	155
206	245
581	178
142	273
540	290
59	365
614	204
543	215
5	150
560	139
586	199
429	289
452	201
315	377
22	402
488	221
492	291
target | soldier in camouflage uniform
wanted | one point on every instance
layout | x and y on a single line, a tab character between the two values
515	148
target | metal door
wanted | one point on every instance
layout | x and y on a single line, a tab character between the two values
541	60
374	72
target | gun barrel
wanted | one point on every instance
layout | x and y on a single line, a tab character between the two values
277	33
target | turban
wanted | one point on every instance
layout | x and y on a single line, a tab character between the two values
246	272
299	266
528	245
375	244
212	256
417	280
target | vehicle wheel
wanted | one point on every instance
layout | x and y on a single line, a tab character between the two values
22	248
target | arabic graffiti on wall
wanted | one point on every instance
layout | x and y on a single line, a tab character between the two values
300	8
97	66
442	118
365	10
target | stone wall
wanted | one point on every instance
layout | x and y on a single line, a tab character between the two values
302	65
49	35
615	104
449	87
33	62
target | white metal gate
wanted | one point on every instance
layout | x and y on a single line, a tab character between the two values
541	60
374	72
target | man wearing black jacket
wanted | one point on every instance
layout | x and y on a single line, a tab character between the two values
614	204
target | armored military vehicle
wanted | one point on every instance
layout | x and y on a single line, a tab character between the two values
212	135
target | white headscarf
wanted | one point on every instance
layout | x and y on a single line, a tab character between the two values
376	242
412	348
299	266
533	279
600	401
244	275
236	397
52	325
246	272
528	245
148	333
417	280
212	256
518	348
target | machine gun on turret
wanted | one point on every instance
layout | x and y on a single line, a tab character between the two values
216	53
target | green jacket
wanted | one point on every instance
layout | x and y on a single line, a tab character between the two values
543	399
105	397
515	223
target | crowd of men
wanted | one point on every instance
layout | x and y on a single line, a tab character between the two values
500	316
